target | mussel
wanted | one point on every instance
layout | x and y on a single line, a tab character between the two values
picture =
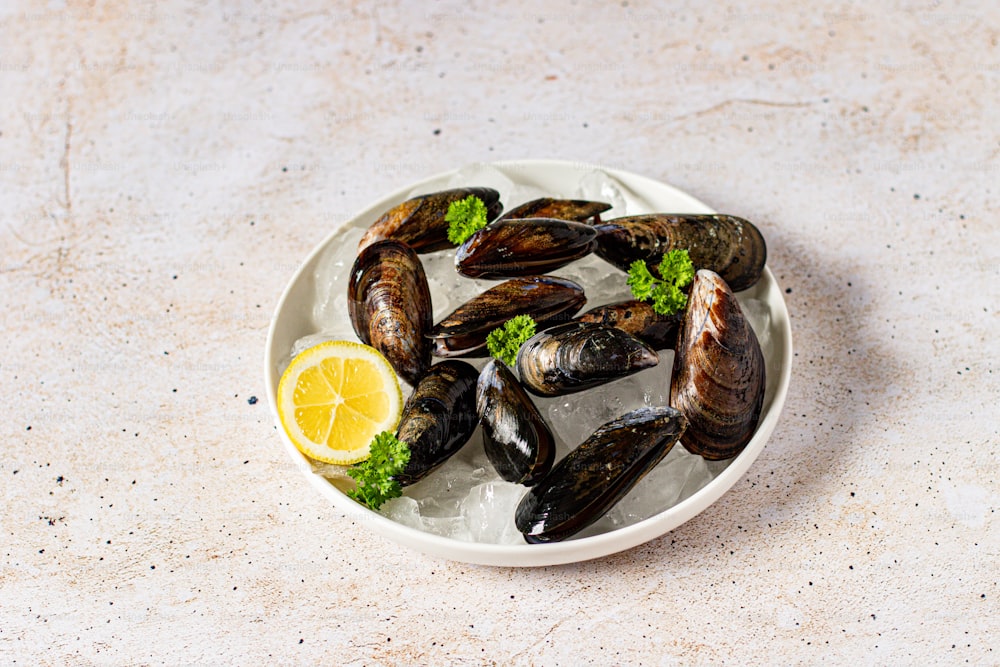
517	441
529	247
580	210
597	474
545	298
639	319
575	356
389	303
730	246
438	418
718	376
419	222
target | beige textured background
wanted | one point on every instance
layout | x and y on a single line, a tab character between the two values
165	166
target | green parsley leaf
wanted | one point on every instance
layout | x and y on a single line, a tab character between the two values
677	268
374	475
504	342
676	271
465	217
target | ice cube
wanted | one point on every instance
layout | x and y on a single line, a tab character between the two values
403	510
488	511
597	185
330	278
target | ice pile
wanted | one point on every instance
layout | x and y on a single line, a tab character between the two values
465	499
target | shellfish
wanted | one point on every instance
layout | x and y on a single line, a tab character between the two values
389	303
730	246
544	298
438	418
580	210
517	440
718	377
575	356
589	480
639	319
528	247
419	222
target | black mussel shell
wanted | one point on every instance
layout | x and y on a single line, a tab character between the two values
719	375
419	222
438	418
585	484
575	356
517	440
546	299
389	303
580	210
639	319
730	246
528	247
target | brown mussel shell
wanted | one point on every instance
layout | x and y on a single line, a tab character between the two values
730	246
580	210
589	480
528	247
718	376
439	417
545	298
639	319
517	440
389	303
575	356
419	222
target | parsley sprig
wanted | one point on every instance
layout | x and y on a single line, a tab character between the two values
465	217
676	271
374	475
504	342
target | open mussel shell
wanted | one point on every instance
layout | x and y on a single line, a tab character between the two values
589	480
730	246
718	376
389	303
575	356
517	440
580	210
639	319
439	417
419	222
545	298
528	247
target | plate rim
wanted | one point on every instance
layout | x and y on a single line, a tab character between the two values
534	555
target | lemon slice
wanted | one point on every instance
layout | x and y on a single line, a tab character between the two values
335	397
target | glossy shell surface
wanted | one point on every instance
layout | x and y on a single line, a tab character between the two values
575	356
580	210
638	319
719	376
439	417
389	303
545	298
589	480
730	246
529	247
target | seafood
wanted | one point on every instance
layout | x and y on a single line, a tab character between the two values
528	247
517	441
639	319
580	210
575	356
545	298
597	474
718	378
389	303
730	246
419	222
438	418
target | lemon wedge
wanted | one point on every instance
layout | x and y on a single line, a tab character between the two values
335	397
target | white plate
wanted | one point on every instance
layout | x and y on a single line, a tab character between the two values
293	318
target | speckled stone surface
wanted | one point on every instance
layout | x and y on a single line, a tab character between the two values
164	167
